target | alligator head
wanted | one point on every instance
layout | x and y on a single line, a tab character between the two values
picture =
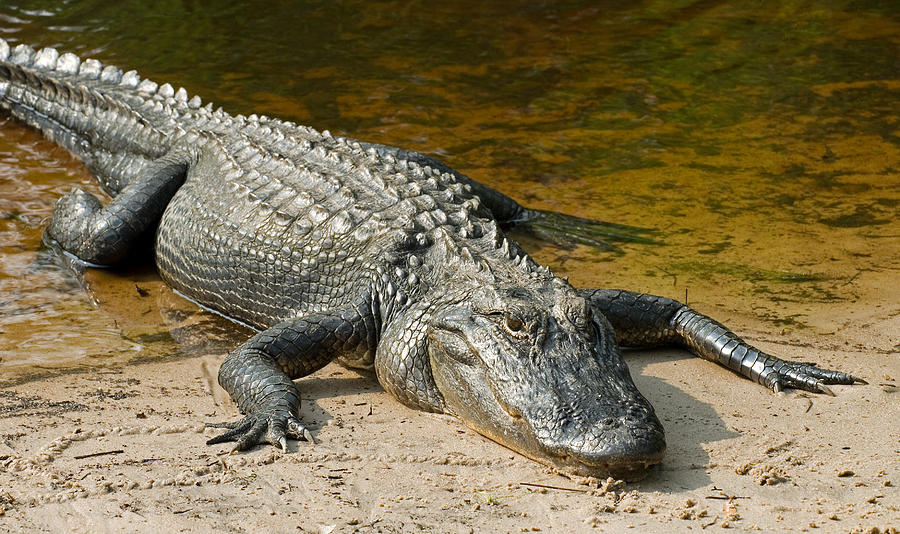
535	370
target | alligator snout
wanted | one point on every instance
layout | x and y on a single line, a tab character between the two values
627	456
616	435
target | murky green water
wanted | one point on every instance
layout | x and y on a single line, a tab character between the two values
762	142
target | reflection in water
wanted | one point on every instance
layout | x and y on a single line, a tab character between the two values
762	143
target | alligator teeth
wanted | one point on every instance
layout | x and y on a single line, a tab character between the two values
46	59
111	74
195	102
181	95
4	49
130	79
90	69
67	63
22	55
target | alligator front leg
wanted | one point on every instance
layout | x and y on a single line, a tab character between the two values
258	375
641	320
104	235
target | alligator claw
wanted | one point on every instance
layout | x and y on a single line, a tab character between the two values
808	377
295	430
255	429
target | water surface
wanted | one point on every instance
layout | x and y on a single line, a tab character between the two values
762	143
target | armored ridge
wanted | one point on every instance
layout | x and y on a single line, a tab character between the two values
371	255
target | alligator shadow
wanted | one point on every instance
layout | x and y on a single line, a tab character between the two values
336	384
689	423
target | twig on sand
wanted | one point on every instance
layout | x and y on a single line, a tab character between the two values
547	486
91	455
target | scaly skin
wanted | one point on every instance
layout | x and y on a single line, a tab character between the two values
371	255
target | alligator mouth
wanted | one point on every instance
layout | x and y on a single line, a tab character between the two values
626	451
630	456
631	462
630	466
630	469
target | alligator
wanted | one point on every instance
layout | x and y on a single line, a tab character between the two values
377	257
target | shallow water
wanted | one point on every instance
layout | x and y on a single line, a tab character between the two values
763	144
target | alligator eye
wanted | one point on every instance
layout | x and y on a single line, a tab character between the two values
514	325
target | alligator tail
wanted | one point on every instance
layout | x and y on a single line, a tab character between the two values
114	121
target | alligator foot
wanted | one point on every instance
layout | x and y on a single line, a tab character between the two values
259	428
807	376
556	227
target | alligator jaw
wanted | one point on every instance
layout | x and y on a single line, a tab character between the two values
628	467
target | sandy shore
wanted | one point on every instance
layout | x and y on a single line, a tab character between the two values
121	448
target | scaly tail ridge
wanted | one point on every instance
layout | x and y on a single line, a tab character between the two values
115	121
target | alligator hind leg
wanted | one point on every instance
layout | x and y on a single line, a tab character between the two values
259	374
542	224
103	235
641	320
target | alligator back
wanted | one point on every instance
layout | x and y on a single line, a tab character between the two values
274	219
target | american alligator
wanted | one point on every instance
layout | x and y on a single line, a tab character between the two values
371	255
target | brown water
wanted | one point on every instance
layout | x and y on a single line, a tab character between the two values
763	144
